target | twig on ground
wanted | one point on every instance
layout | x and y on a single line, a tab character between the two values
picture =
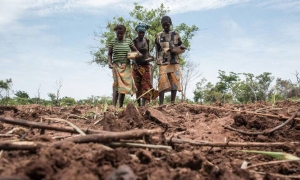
6	135
96	138
270	162
38	125
77	128
80	117
232	144
26	133
152	146
69	123
266	131
98	121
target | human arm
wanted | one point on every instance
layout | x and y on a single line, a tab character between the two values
110	52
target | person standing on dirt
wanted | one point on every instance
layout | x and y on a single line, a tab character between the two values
141	71
120	65
168	47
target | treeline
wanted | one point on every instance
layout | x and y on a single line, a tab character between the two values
230	88
246	88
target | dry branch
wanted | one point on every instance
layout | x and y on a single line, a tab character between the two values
20	145
96	138
266	131
231	144
38	125
113	136
6	135
152	146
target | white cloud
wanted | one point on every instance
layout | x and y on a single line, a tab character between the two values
13	10
290	5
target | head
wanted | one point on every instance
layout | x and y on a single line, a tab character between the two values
141	29
120	31
166	23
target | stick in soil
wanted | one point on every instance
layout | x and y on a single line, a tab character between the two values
95	138
232	144
37	125
266	131
77	129
152	146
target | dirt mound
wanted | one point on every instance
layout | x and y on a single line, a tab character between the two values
171	160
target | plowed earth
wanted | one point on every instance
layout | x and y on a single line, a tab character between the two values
181	121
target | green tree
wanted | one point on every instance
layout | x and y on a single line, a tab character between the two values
22	97
22	94
5	86
140	14
264	81
67	101
225	83
199	91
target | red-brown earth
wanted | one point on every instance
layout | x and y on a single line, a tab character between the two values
180	121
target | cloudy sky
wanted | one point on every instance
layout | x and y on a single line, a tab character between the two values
45	41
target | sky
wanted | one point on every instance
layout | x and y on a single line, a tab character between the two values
43	42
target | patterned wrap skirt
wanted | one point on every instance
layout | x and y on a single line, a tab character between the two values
142	79
169	78
123	80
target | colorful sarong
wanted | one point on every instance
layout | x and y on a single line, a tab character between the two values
142	79
169	77
123	80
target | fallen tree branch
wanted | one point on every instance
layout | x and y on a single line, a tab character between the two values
96	138
152	146
20	145
112	136
77	129
71	124
231	144
265	131
6	135
38	125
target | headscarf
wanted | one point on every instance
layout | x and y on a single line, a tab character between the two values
142	27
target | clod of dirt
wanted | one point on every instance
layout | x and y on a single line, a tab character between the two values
144	156
192	160
157	116
262	138
110	122
123	172
239	120
129	119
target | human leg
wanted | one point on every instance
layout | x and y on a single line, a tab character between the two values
115	97
121	100
173	96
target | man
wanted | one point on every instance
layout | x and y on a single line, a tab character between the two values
168	47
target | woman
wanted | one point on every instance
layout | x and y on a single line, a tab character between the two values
120	65
168	47
141	71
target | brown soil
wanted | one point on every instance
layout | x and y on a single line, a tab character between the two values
186	121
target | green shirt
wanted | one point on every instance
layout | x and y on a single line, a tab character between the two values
120	49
